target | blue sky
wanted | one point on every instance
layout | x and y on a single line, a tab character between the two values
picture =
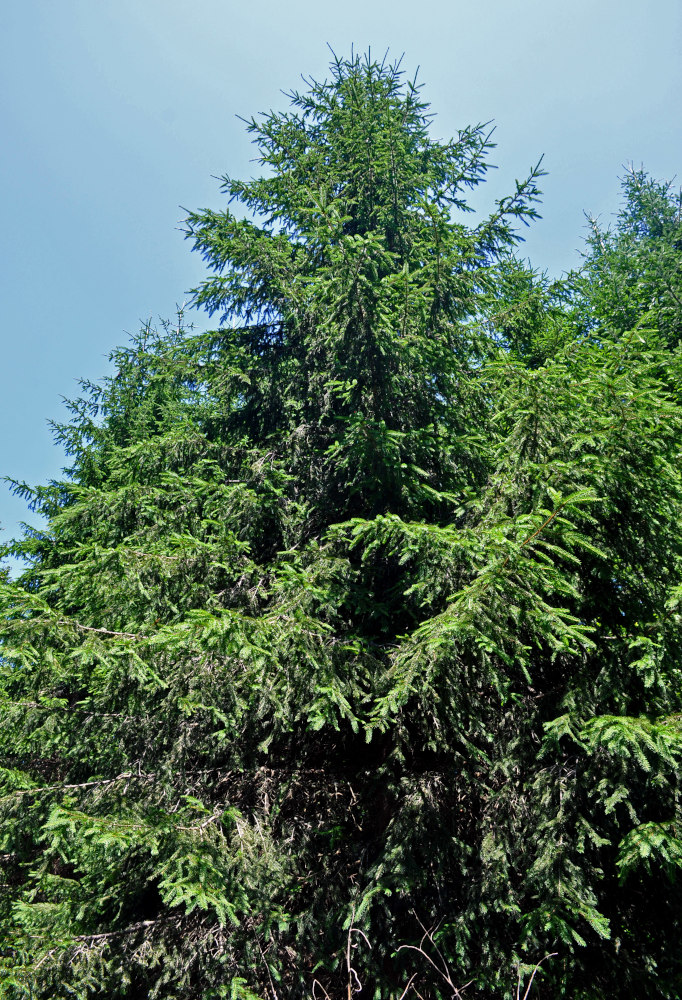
114	114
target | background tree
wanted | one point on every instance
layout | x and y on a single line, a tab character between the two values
354	625
634	269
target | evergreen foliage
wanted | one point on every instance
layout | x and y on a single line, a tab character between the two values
350	655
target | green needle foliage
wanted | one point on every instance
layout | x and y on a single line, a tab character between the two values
349	657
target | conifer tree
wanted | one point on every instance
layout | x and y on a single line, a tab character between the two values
633	270
348	660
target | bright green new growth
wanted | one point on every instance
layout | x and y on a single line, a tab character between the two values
358	616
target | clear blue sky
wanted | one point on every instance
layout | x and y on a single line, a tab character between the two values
114	114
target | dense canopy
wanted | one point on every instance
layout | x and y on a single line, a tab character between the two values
348	661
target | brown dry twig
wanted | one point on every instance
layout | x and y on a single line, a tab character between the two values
537	966
443	970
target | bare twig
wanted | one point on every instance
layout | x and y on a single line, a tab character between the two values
443	972
316	982
125	930
354	984
103	631
409	983
537	966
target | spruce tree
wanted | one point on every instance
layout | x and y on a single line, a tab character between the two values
633	270
348	660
